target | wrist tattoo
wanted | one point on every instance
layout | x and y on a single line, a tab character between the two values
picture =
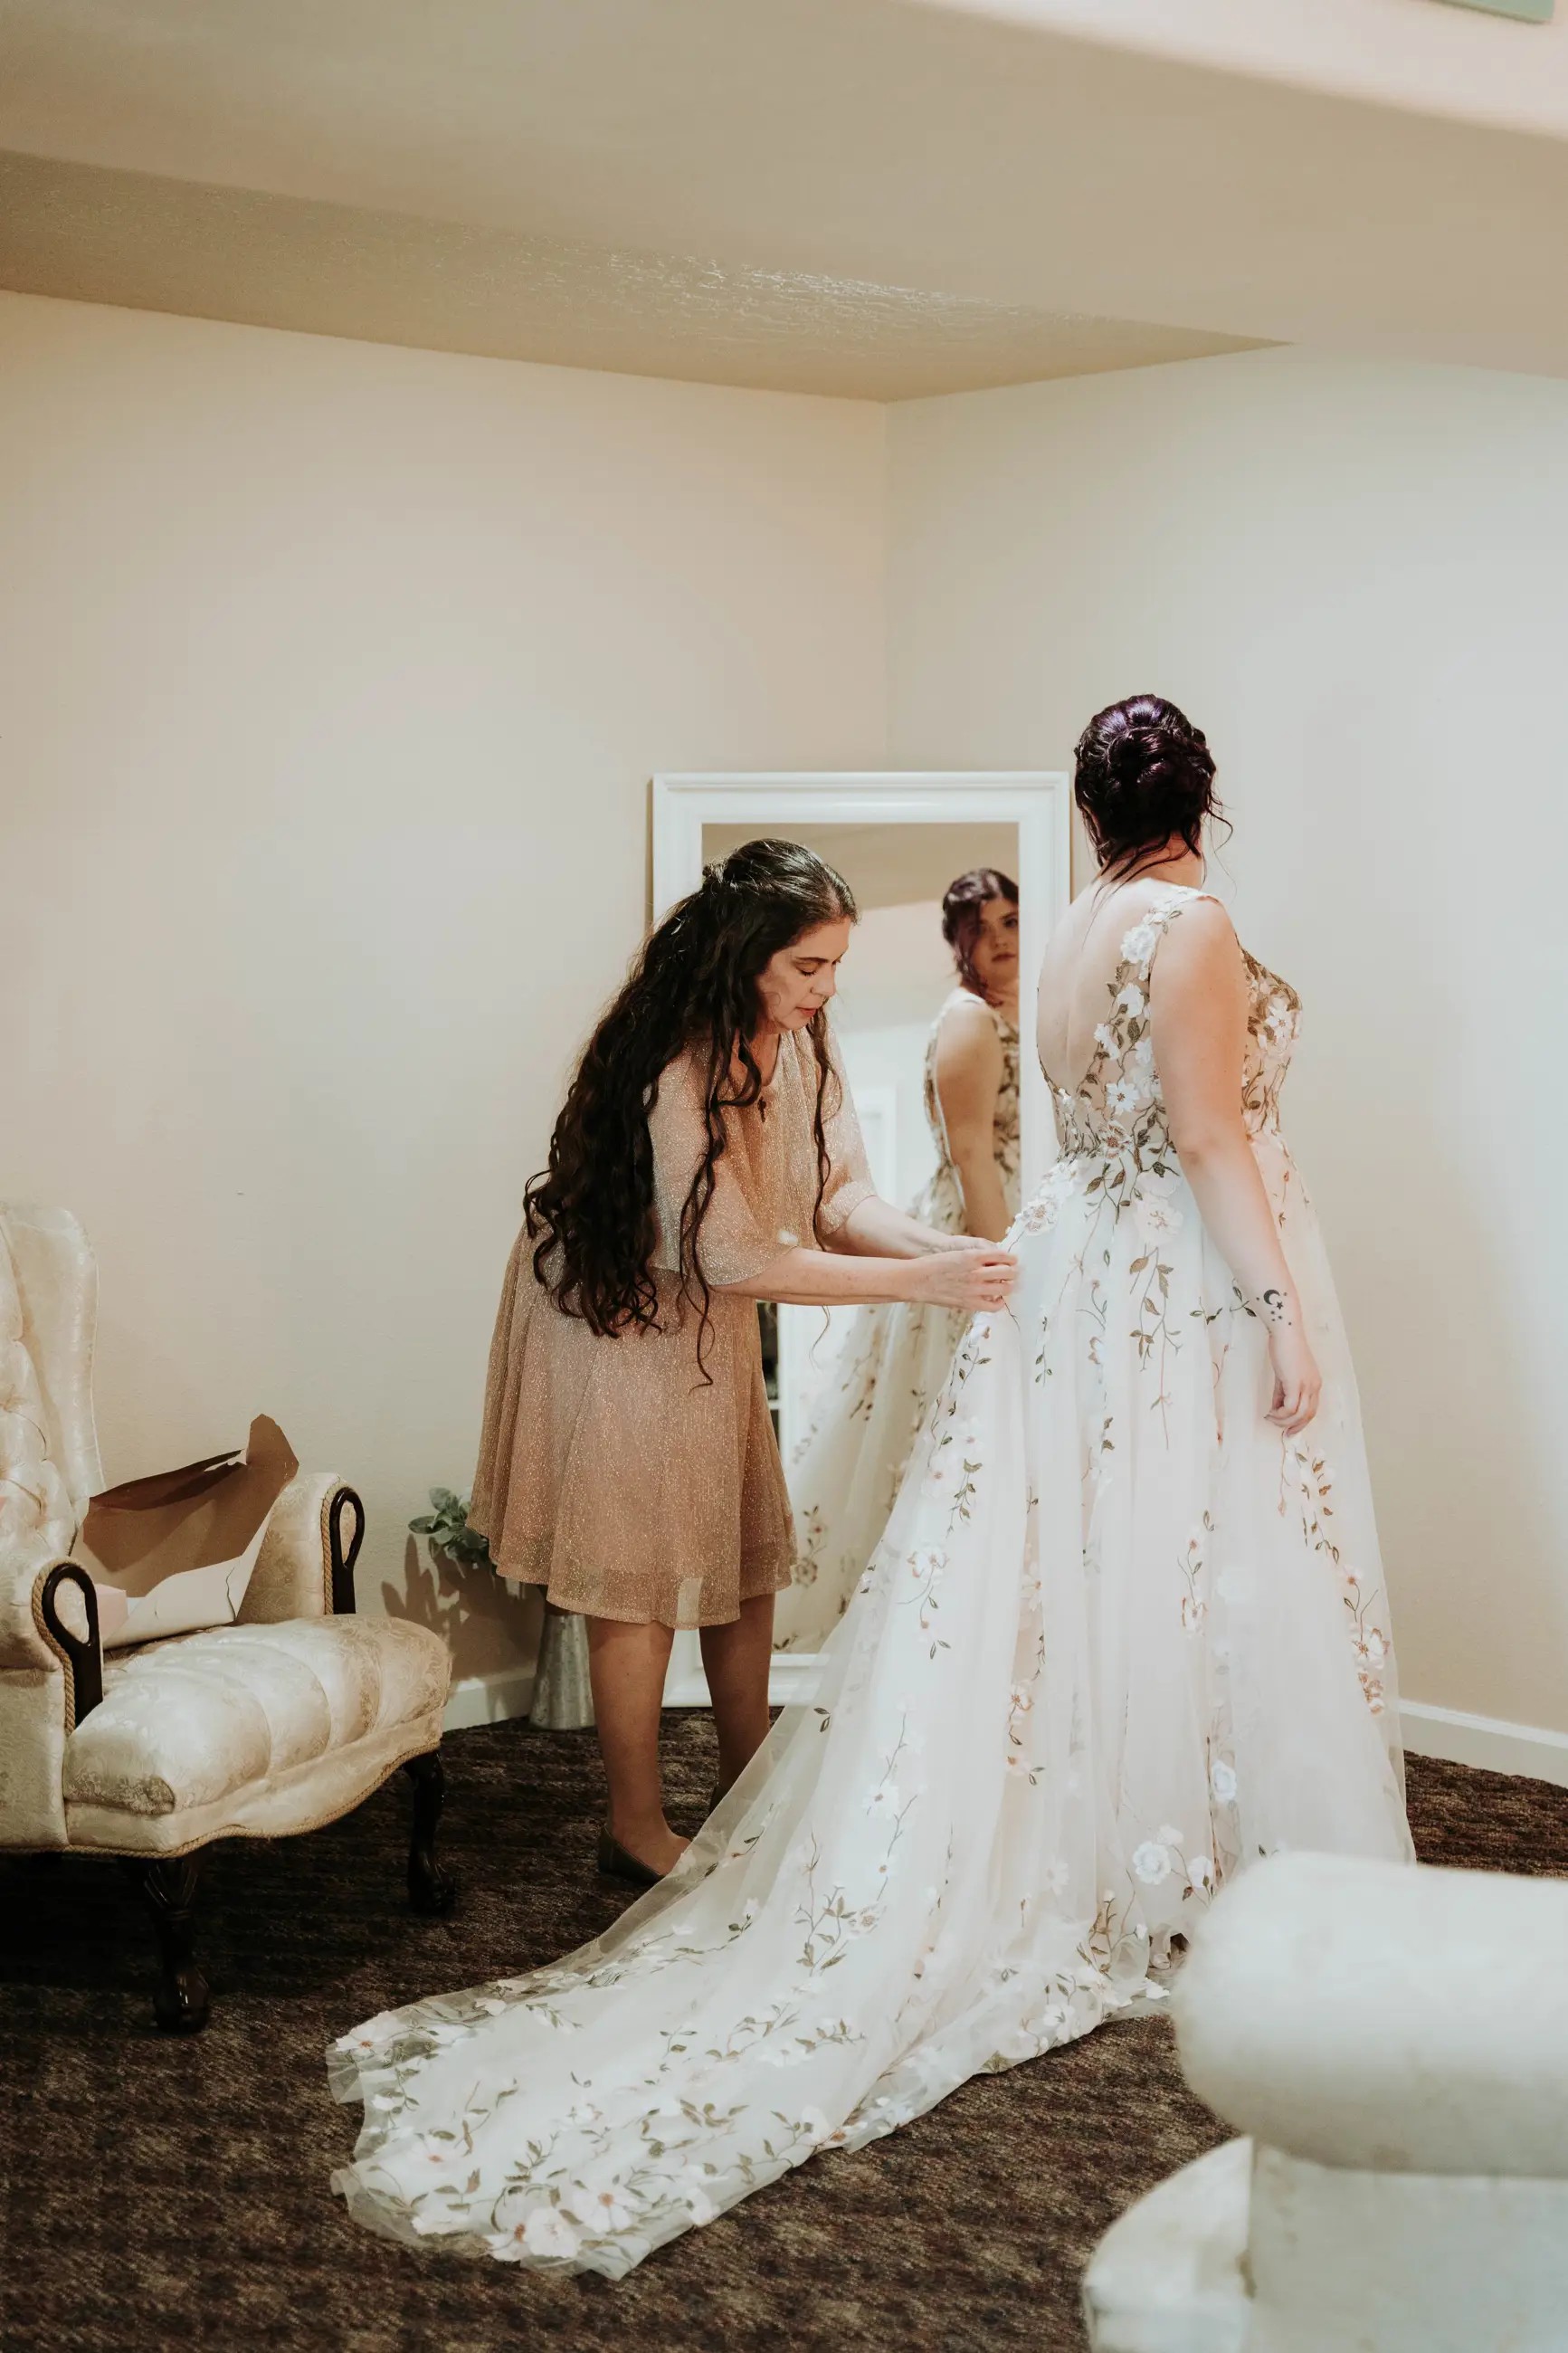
1272	1306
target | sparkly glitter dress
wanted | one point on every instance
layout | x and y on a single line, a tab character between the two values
609	1471
1123	1636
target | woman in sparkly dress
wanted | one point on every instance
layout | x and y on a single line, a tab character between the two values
707	1156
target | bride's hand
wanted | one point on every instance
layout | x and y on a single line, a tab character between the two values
1297	1384
969	1279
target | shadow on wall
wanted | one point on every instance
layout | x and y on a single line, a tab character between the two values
490	1628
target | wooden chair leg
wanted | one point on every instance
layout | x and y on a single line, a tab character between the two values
430	1888
182	2001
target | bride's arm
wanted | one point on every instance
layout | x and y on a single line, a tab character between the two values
968	1080
1197	1011
872	1227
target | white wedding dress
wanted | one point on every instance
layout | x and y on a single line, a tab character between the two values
1121	1637
846	1474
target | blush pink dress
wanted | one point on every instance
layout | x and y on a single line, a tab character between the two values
610	1471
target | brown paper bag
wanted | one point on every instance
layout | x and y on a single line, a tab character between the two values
174	1552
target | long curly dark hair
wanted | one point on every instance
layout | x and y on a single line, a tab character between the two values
964	904
590	1214
1144	775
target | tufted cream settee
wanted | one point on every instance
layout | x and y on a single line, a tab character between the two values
275	1724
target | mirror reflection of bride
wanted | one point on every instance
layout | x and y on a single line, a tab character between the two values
847	1467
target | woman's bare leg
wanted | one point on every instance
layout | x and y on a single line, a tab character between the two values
735	1659
627	1666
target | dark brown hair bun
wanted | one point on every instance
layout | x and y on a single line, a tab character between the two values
1144	775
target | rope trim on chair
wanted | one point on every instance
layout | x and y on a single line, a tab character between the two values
82	1660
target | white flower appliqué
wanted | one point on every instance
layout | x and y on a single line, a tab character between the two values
549	2232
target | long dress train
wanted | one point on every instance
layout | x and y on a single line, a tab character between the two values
1121	1637
847	1469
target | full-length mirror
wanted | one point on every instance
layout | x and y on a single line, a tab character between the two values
956	881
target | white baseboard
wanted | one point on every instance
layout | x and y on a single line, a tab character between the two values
507	1691
493	1698
1489	1741
791	1679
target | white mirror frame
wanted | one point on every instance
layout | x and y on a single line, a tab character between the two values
1036	800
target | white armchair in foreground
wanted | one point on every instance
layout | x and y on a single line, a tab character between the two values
277	1725
1395	2044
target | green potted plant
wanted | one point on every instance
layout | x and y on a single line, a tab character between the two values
563	1696
447	1525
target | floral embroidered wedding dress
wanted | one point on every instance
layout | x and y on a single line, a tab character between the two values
847	1469
1121	1637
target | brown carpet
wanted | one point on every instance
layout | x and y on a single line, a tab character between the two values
161	2194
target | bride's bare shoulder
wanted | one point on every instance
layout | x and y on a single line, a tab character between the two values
1199	954
1204	927
1102	914
964	1012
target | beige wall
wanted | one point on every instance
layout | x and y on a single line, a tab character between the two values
1353	576
330	680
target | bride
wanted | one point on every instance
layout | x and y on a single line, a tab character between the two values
1125	1632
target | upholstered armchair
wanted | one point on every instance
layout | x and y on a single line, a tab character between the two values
278	1723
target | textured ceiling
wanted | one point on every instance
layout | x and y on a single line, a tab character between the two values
151	243
1415	54
880	195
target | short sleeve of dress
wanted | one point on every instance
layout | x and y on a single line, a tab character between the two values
732	1245
848	1172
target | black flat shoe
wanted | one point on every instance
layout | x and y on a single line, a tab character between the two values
617	1863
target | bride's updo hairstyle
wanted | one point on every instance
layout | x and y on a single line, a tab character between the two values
1143	776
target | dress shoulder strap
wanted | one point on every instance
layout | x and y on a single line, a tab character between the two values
961	996
1140	942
